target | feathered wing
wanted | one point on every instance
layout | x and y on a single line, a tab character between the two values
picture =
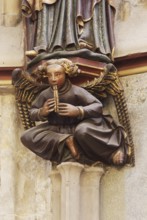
106	84
109	84
26	90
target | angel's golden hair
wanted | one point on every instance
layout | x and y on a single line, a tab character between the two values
70	68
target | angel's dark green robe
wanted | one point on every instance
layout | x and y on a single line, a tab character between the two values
97	135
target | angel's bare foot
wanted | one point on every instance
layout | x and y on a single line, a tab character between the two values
70	143
118	158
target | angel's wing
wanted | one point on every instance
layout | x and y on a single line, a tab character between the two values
109	84
106	84
123	115
26	90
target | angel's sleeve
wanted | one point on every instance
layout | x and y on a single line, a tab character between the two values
91	106
35	108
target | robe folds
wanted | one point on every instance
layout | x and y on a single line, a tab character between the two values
97	135
69	25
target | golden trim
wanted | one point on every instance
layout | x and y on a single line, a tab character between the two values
5	82
132	71
112	53
94	67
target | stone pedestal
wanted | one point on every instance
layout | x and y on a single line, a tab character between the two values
90	193
70	190
75	192
55	208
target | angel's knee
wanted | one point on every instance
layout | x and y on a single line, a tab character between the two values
81	132
25	138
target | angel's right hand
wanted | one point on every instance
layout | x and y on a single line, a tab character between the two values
47	107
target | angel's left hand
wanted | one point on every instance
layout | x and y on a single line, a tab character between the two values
68	110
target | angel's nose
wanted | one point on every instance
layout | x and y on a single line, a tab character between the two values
54	78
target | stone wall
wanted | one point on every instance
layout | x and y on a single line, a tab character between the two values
124	192
24	178
10	14
12	48
130	27
11	34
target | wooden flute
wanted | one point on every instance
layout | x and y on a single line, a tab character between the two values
56	97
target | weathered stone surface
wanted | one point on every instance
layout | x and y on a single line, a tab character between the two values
130	27
124	191
12	48
10	12
24	178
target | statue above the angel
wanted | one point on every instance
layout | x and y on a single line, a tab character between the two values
66	28
73	126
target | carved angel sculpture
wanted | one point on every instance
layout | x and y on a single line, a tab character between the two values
73	126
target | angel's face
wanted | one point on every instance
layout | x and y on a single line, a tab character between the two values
56	75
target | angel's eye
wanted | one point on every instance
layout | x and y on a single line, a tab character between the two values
57	74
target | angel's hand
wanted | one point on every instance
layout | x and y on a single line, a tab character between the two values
68	110
47	107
